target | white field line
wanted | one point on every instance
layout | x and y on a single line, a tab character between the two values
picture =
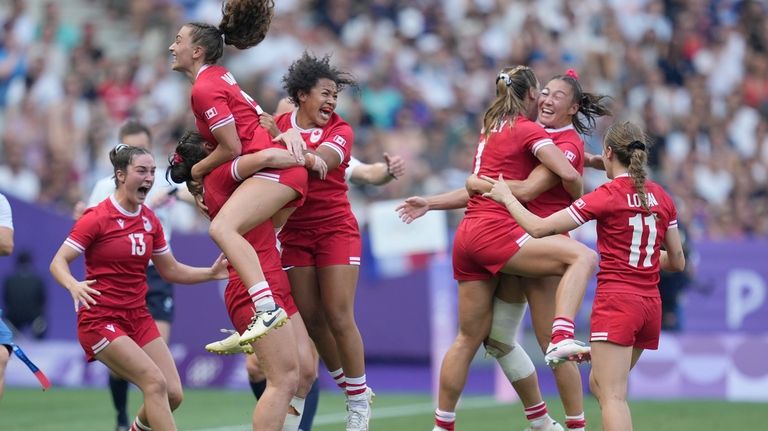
381	413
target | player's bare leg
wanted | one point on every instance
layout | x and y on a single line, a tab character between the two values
128	360
338	284
541	300
278	359
475	299
608	381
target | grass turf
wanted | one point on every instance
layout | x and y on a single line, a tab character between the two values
208	410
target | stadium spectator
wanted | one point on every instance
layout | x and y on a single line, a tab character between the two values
119	237
626	313
6	248
704	55
228	119
25	297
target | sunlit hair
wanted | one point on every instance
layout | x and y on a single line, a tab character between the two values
189	150
630	144
122	156
304	73
244	24
591	105
512	86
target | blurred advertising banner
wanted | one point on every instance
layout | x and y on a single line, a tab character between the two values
730	288
714	365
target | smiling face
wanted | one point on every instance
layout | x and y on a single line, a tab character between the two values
317	106
134	184
183	51
556	104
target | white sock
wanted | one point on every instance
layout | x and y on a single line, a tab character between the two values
261	295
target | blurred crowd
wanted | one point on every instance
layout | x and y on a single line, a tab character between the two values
693	72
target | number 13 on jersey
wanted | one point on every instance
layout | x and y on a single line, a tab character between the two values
138	247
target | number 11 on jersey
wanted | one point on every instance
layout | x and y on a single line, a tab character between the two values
638	223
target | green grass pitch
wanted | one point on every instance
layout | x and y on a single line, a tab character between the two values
208	410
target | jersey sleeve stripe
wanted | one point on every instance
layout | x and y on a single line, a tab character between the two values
336	148
672	224
161	250
522	240
542	143
575	216
223	122
234	170
74	244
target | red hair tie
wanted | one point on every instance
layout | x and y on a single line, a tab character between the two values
177	159
572	73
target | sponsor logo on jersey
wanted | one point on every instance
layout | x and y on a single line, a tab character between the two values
580	203
570	156
147	224
121	222
111	327
315	135
211	113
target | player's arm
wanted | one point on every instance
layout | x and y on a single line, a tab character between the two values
554	159
81	291
416	206
380	173
673	257
540	180
6	241
594	161
229	147
6	227
536	226
174	271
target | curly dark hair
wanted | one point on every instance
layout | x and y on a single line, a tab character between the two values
304	73
189	151
244	24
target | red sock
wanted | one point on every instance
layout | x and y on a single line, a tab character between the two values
445	420
562	328
536	411
576	422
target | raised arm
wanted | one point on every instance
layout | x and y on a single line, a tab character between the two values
380	173
536	226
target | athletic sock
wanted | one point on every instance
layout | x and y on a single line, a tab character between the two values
261	295
355	386
576	423
119	389
537	414
562	328
338	377
445	420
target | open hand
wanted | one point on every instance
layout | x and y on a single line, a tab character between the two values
412	208
500	191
